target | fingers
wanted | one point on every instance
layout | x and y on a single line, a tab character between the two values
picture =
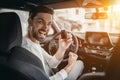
65	43
69	38
71	54
69	35
72	58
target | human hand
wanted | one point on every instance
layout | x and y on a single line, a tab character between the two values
71	62
65	43
72	58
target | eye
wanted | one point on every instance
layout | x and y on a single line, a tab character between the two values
50	23
40	21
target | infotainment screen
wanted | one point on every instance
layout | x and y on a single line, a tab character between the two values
98	38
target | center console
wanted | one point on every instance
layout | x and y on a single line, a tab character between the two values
98	43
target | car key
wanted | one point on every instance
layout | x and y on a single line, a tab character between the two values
63	34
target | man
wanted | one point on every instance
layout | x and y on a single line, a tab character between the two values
39	23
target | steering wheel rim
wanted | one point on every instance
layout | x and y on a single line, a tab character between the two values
52	42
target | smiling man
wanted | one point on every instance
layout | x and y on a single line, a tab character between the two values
39	23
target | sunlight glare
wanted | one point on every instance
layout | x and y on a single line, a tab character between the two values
116	8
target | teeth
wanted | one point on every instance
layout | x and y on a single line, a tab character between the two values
42	32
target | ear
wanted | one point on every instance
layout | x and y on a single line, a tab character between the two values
29	22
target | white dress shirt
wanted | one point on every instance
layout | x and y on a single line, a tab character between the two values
48	61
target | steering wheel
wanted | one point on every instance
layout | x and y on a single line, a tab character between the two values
53	45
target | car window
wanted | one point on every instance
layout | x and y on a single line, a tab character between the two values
74	19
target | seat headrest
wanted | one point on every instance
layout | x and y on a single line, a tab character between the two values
10	31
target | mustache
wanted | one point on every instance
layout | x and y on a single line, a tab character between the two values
43	30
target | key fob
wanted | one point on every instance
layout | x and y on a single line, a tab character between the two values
63	34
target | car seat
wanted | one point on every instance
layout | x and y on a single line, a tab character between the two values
16	63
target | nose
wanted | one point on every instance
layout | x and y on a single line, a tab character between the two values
45	27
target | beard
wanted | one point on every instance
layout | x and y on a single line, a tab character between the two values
38	38
38	35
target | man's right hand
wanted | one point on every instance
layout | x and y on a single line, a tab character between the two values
63	45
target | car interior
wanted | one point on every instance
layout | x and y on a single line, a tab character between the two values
94	25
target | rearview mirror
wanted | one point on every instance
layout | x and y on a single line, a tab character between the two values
100	15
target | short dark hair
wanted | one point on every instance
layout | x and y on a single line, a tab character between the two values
37	9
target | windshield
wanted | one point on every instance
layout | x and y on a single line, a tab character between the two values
74	19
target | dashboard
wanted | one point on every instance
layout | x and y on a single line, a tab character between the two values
96	50
98	44
99	39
